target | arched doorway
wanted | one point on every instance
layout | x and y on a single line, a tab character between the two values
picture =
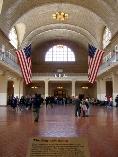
10	88
60	92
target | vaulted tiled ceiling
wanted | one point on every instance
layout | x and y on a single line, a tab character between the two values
34	23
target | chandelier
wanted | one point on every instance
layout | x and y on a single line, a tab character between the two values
60	16
60	75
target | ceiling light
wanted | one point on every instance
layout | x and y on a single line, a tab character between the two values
60	75
34	87
59	87
60	16
84	87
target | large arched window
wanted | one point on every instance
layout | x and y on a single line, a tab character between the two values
13	37
106	37
60	53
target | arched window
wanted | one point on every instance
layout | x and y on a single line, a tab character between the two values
13	37
60	53
106	37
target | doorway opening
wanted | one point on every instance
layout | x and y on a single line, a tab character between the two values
109	89
60	93
10	88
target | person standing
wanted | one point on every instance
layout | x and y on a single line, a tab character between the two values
106	101
87	105
116	100
84	108
36	106
47	101
77	103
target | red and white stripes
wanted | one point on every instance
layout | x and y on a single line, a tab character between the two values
25	64
94	64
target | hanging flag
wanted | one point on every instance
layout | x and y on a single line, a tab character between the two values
24	58
94	59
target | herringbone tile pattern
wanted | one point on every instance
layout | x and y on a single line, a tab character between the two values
101	129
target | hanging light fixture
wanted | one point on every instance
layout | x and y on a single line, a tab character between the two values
60	75
60	16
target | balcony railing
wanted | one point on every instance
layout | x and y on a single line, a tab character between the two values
108	64
9	59
53	74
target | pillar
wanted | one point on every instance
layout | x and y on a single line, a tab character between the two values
21	88
3	90
18	87
73	88
102	89
46	88
98	90
1	4
115	87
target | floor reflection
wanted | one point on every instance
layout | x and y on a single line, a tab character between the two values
100	128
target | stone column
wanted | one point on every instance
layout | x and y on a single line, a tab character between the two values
46	88
1	4
73	88
98	90
102	89
21	88
18	87
3	90
115	87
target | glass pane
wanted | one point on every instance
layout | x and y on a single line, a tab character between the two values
60	53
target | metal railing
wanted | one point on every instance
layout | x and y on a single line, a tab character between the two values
113	60
9	59
53	74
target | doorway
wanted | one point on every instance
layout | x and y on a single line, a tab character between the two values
109	88
10	88
60	93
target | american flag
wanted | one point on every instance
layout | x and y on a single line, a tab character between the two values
94	59
24	58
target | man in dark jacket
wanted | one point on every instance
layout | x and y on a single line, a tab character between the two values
77	103
36	106
116	100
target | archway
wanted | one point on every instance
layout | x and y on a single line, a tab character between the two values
60	92
10	88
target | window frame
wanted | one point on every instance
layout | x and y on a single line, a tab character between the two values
106	37
13	36
60	53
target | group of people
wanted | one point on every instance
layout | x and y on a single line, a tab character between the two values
27	102
81	107
108	101
34	102
50	100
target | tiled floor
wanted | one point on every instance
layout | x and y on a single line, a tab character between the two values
101	129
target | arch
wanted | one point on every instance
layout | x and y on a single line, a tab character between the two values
38	34
21	29
60	53
1	4
106	36
13	37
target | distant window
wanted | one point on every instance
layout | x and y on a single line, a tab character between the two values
106	37
107	57
60	53
13	37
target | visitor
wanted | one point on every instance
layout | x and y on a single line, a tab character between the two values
36	106
110	102
64	101
116	100
84	108
105	101
77	103
88	107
